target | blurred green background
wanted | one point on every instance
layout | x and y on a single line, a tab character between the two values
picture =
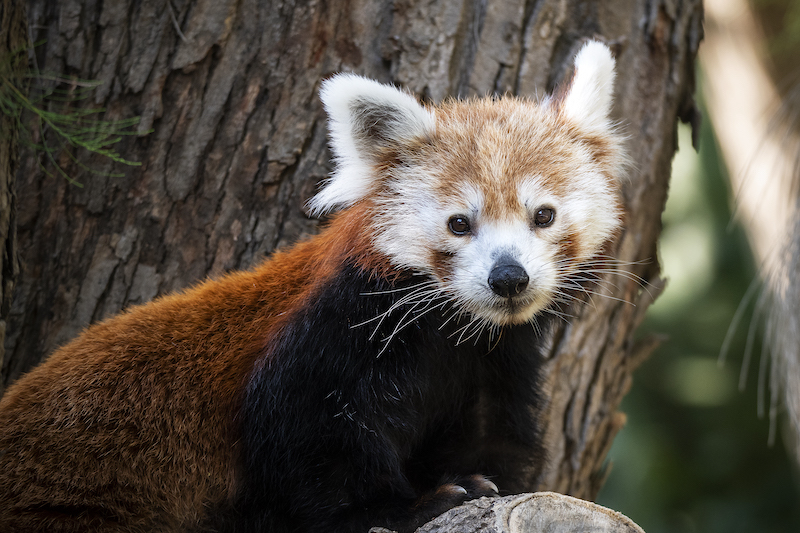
694	456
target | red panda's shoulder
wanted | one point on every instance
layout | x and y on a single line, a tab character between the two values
217	328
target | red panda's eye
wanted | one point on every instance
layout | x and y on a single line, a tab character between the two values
544	216
459	225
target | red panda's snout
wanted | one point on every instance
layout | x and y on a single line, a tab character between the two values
504	274
508	278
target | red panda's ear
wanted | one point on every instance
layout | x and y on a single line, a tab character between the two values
366	119
589	97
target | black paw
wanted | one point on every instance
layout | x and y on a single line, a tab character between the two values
477	486
449	495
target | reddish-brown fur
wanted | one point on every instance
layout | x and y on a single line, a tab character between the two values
531	140
98	403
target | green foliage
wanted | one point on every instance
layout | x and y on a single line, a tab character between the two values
45	106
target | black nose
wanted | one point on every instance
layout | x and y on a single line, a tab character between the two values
508	278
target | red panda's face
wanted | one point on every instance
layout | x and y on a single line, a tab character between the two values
500	201
501	204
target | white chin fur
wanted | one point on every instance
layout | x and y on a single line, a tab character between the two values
484	304
520	312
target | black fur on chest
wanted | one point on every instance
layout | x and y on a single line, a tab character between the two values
341	431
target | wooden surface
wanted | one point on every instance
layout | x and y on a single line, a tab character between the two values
754	106
541	512
238	144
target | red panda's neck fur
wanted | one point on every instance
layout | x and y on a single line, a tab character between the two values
300	272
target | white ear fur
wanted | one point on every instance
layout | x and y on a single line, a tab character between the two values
365	117
589	98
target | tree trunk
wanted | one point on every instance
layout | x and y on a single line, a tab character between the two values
229	89
13	63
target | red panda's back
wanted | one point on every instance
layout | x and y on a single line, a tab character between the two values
134	420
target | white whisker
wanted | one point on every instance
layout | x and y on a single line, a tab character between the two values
419	293
563	316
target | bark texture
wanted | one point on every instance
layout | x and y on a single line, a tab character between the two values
229	89
13	64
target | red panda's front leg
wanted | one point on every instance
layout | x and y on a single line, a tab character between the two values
332	423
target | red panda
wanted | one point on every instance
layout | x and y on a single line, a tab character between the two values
374	375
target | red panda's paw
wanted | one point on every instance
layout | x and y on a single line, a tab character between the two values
477	486
450	495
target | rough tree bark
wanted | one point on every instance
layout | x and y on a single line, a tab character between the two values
13	63
238	144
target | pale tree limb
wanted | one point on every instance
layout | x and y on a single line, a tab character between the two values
540	512
760	142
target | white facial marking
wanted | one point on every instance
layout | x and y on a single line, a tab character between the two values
415	226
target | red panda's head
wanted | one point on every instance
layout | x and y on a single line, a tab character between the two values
500	200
